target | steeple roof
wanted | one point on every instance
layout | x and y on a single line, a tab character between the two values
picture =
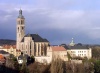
20	14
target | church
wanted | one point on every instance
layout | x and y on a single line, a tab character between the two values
35	45
30	44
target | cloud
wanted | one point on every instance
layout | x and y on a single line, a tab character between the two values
61	20
75	22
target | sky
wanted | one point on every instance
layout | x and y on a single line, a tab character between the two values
56	20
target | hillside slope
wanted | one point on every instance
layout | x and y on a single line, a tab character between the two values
7	41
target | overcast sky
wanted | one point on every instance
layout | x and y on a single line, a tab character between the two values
56	20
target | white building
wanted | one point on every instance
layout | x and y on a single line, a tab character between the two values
79	50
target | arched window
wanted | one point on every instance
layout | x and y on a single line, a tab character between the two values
22	28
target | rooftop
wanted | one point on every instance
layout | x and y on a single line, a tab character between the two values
9	46
76	46
58	48
3	52
36	38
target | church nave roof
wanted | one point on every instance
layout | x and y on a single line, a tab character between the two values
36	38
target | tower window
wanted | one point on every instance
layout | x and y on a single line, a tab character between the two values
22	28
18	22
18	29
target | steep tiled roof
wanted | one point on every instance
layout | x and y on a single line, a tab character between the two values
58	48
36	38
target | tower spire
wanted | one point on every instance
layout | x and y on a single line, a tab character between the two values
20	14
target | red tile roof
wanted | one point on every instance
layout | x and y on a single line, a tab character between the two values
9	46
58	48
18	50
1	56
2	59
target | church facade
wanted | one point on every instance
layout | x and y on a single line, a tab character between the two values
30	44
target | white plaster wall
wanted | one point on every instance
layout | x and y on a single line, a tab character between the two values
80	52
43	59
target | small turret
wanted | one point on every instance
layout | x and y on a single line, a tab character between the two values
72	42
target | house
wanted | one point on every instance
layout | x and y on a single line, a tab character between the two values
57	52
11	49
4	53
18	53
78	50
22	58
2	59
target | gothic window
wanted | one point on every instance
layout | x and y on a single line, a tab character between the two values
30	48
42	49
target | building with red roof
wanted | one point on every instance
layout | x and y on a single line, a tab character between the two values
57	52
11	49
2	59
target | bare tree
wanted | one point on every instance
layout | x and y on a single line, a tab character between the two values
57	66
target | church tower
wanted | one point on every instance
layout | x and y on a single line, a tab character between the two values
20	29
